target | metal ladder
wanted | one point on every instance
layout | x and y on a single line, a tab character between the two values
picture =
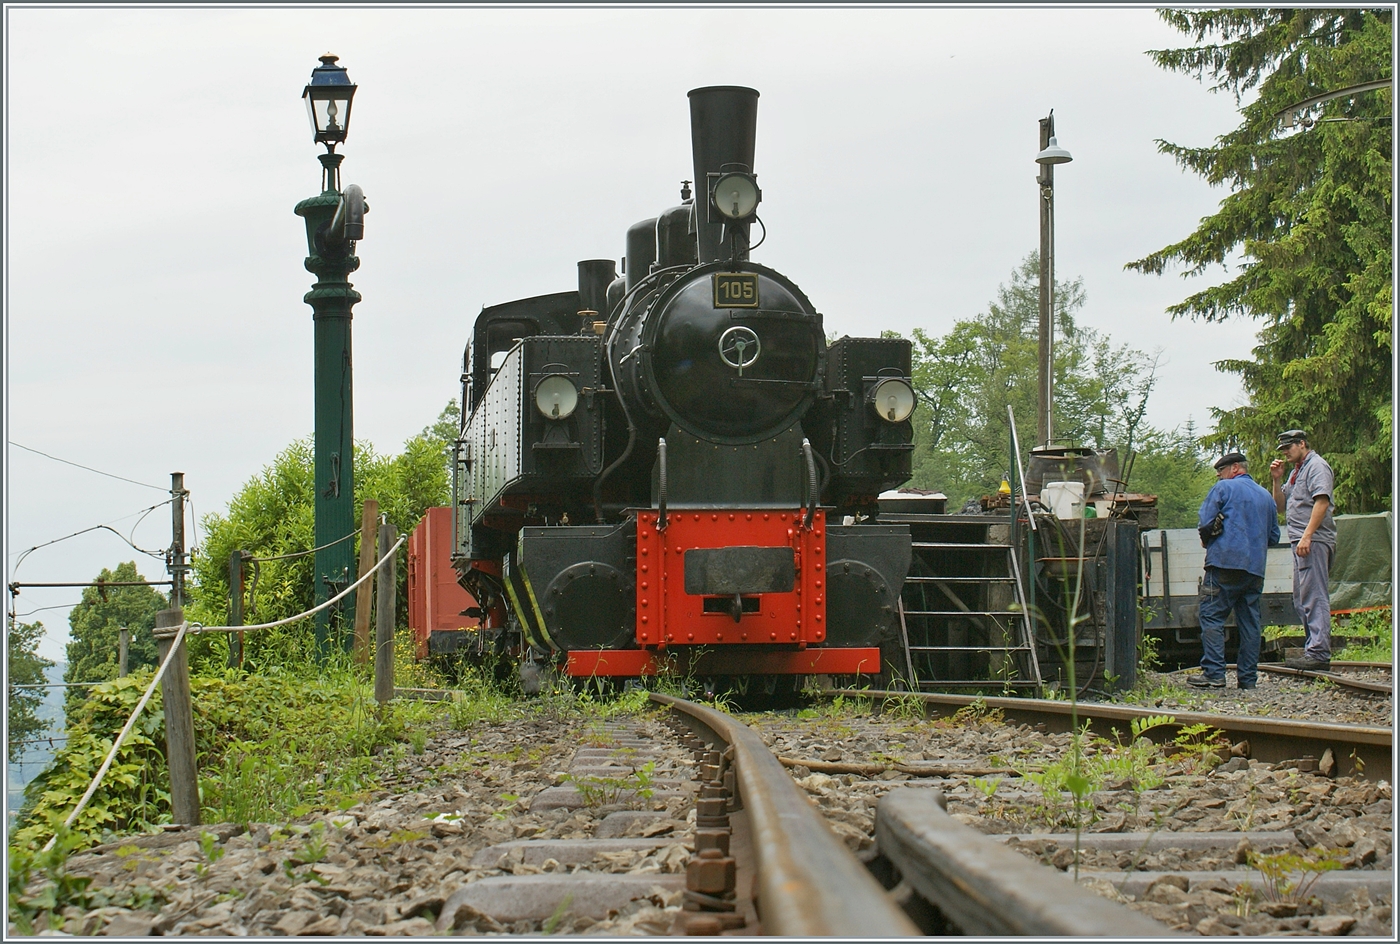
957	631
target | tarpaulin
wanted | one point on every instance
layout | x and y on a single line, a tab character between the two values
1360	576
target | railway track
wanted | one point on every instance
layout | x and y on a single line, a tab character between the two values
1347	749
1342	673
690	822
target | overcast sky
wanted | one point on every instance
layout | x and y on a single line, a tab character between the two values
154	276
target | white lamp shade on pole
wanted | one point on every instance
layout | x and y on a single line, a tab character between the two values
1054	154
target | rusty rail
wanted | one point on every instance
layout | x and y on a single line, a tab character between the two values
1337	678
985	889
807	883
1358	750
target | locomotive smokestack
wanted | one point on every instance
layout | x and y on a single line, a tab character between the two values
723	124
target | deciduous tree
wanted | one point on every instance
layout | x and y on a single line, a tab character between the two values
966	379
273	515
94	626
24	666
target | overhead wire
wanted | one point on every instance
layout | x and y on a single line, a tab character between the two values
88	468
40	609
98	527
264	560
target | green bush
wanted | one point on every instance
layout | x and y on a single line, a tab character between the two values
268	747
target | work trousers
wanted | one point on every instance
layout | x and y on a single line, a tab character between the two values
1311	601
1223	591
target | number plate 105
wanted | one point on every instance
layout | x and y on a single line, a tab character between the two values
736	290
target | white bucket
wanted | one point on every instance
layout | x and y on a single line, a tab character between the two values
1065	499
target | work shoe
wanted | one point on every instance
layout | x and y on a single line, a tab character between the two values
1307	664
1202	681
1245	688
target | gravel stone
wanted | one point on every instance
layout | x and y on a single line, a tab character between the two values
1194	798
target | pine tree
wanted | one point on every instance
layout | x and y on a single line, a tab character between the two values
1306	230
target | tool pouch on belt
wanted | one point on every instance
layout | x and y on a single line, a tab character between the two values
1213	530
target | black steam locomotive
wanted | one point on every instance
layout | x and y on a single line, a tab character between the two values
673	466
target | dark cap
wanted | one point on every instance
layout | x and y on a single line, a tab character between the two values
1230	458
1290	436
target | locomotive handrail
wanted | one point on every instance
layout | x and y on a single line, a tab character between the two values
661	484
812	495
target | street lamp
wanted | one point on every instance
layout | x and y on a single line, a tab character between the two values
334	222
328	97
1050	154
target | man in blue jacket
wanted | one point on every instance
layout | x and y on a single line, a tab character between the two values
1238	522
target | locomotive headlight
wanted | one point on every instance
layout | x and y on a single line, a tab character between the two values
556	397
736	196
893	400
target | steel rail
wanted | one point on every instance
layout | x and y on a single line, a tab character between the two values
1339	678
1345	664
1358	750
808	884
986	889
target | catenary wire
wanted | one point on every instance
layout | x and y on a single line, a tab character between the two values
40	609
143	512
86	467
264	560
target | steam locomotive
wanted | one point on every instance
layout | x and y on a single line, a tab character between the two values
671	468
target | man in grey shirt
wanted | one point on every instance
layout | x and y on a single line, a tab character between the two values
1306	501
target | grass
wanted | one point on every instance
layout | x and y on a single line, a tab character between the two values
1376	623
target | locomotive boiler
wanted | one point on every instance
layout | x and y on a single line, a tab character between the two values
671	467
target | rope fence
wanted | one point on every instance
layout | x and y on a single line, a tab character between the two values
126	729
179	633
197	629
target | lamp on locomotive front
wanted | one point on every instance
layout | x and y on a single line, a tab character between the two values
736	196
893	400
556	397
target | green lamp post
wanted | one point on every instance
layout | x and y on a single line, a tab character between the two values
334	221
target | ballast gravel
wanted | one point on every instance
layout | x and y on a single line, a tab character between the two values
1344	821
1275	696
389	866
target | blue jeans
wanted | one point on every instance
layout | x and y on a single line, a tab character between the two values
1223	591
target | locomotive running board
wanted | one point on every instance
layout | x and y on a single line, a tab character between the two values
631	663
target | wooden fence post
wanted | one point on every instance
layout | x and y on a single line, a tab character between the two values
123	651
384	619
179	724
365	595
235	609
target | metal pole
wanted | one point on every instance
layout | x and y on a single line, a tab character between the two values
384	619
1045	385
332	300
177	544
179	724
123	651
365	595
